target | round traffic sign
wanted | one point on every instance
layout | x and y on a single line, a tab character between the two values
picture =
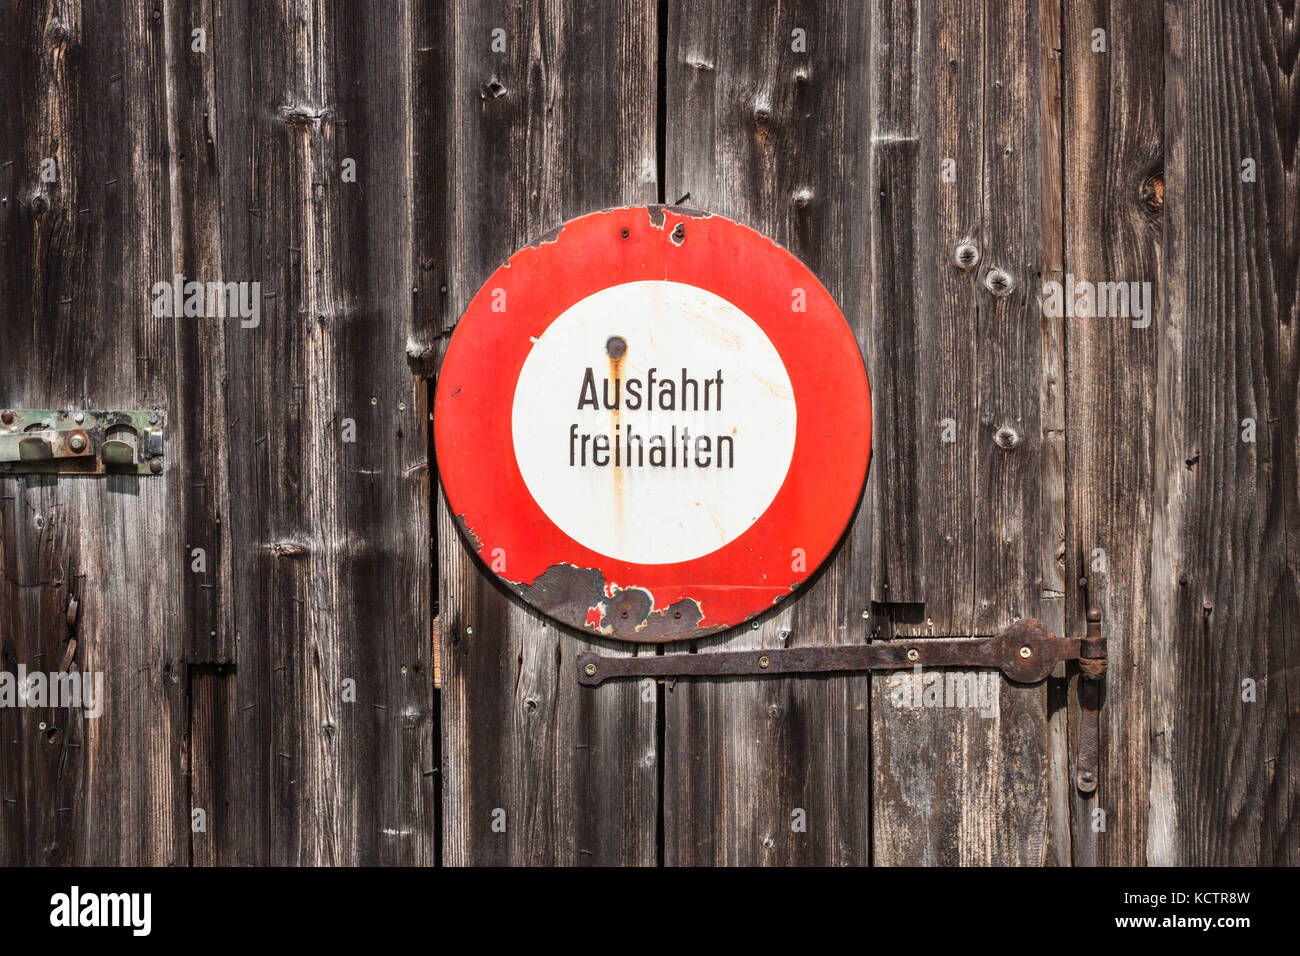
652	424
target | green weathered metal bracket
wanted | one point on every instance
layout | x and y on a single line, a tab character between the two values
40	441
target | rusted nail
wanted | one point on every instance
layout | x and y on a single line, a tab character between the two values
679	232
1083	582
7	417
967	255
616	346
625	232
155	466
999	282
1208	608
764	661
590	670
1094	615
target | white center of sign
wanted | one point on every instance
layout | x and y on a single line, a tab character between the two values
653	422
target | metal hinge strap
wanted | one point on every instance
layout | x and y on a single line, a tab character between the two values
1025	652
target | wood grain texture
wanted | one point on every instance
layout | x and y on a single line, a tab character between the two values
560	123
77	256
970	785
1051	607
1113	103
1224	581
776	139
330	537
327	563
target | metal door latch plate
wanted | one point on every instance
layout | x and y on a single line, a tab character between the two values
38	441
1025	652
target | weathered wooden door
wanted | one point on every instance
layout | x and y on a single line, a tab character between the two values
302	661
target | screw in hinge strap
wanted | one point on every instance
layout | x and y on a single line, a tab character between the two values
590	670
764	661
1025	651
77	443
913	653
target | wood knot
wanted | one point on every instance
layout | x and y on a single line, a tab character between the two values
286	549
57	32
999	282
303	114
966	255
1153	191
1006	437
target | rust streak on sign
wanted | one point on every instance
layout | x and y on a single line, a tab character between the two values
653	425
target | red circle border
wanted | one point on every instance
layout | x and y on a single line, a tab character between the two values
591	591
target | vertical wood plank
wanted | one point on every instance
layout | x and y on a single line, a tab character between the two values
776	139
1114	99
904	181
78	254
1051	609
560	123
317	746
970	785
1224	583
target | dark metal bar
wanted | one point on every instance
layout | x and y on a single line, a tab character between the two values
1025	652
